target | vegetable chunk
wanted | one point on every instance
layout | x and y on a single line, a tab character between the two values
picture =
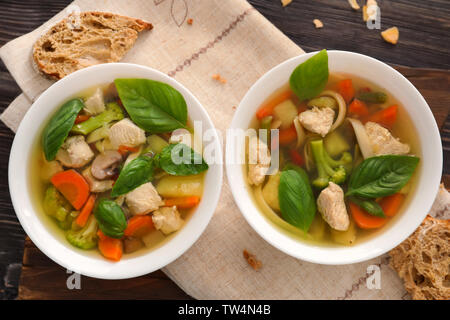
180	186
270	191
55	205
73	187
86	238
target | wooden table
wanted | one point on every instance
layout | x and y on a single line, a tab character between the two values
423	51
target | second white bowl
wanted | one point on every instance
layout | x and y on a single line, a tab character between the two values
429	173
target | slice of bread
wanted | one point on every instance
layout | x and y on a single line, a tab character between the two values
86	39
423	260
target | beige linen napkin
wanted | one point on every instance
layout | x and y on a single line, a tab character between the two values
227	37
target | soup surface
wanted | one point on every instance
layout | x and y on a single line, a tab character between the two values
346	150
113	171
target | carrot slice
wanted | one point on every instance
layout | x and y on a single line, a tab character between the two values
81	118
286	136
345	88
110	248
123	150
182	202
73	187
365	220
138	226
385	117
391	204
267	108
358	108
85	213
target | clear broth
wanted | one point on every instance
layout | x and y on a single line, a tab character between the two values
403	129
37	188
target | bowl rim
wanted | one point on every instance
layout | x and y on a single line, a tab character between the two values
99	267
303	250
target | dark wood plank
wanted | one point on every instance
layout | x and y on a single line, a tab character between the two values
43	279
424	28
424	42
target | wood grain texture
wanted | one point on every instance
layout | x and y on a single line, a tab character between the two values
424	27
43	279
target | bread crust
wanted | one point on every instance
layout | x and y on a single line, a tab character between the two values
88	39
423	260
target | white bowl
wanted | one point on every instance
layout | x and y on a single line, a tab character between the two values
429	172
38	230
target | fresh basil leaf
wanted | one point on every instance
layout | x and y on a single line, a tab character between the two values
134	174
154	106
381	176
111	219
310	77
370	206
297	203
180	160
59	126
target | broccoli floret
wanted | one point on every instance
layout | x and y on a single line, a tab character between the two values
112	112
67	223
328	169
86	238
55	205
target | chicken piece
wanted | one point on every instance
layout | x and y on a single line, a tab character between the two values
143	199
96	185
383	142
75	152
126	133
331	205
95	104
259	161
167	220
317	120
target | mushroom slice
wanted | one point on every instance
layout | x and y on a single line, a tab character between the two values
96	186
105	164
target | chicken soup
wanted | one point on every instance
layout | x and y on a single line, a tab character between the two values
347	154
106	172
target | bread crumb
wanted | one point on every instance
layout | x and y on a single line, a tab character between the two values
284	3
252	261
318	24
354	4
390	35
370	10
364	12
219	78
190	21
